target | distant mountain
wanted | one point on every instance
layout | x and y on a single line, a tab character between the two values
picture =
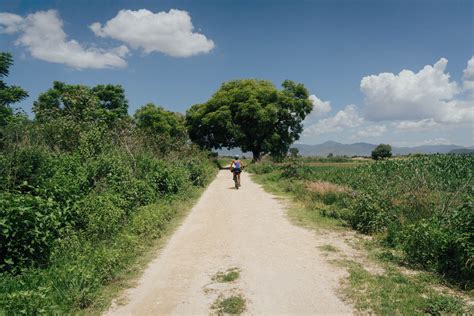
358	149
365	149
462	151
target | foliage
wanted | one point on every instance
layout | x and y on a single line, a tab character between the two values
420	205
29	224
382	151
250	114
371	213
8	96
157	121
82	192
294	152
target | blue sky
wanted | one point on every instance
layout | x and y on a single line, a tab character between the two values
330	46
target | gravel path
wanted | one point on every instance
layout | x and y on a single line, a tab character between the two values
282	270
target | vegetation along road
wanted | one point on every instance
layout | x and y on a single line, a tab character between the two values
243	237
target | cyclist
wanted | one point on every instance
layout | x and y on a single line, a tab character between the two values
236	168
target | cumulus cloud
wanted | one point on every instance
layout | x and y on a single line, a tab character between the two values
468	75
171	33
420	125
319	107
42	34
347	118
10	23
371	131
427	94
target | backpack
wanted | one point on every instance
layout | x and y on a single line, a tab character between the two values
237	165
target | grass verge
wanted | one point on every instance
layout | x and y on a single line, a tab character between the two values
151	247
388	293
394	293
301	211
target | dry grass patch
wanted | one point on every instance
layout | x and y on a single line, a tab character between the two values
326	187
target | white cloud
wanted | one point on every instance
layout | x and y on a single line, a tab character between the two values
420	125
171	33
319	107
10	23
468	75
371	131
43	36
347	118
427	94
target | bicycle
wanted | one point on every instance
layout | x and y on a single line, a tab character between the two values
236	178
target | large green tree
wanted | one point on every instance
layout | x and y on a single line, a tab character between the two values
251	114
105	103
157	121
8	94
164	130
65	111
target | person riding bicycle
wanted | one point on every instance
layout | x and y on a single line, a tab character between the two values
236	168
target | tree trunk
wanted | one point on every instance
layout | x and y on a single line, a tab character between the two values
257	155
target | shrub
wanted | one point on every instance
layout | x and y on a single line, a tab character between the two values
100	215
424	242
151	219
163	177
295	169
68	181
29	226
199	170
445	246
262	167
371	213
25	168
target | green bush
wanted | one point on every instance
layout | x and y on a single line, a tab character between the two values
425	242
100	215
25	168
67	182
29	225
296	169
151	219
370	214
199	170
164	177
445	246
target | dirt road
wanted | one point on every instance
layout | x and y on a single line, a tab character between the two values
282	270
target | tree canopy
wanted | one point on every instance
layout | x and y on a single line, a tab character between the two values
65	110
157	121
8	94
81	103
251	114
382	151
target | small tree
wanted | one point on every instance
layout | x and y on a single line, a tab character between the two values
330	155
382	151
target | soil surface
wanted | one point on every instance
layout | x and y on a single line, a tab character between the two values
282	269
